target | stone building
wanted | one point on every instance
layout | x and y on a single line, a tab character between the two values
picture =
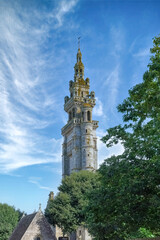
33	227
80	141
79	150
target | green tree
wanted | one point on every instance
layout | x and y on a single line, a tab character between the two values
66	210
129	196
8	220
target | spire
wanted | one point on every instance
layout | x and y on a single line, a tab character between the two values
79	67
79	56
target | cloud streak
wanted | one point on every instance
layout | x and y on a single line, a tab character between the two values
27	105
98	109
103	151
63	8
112	79
112	83
36	181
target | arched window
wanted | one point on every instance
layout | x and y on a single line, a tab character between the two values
81	94
89	116
38	238
70	115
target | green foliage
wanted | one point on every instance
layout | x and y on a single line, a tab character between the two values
66	210
142	233
8	220
60	212
128	199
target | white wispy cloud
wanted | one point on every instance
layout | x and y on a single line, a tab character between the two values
36	181
112	83
63	8
138	50
142	52
103	151
118	39
28	102
98	109
112	79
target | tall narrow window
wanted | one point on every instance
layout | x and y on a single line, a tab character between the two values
80	72
70	115
81	94
83	116
89	116
74	112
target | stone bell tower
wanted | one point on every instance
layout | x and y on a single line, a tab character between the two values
80	141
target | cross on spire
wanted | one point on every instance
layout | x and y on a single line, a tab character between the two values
79	42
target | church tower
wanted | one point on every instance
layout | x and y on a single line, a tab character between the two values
80	141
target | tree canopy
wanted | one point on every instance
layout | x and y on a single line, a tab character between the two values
66	210
9	218
128	198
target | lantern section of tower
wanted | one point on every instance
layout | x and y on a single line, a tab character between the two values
79	151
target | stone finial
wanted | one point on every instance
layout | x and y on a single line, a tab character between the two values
51	196
23	215
40	209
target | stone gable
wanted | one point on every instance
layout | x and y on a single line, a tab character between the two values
33	226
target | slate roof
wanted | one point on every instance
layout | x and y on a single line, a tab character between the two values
22	227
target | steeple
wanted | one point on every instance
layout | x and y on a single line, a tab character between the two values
79	56
80	141
79	67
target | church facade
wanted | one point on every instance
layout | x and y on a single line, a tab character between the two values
79	151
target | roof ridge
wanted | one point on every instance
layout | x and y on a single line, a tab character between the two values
30	222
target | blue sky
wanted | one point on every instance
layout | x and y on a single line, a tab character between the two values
38	46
